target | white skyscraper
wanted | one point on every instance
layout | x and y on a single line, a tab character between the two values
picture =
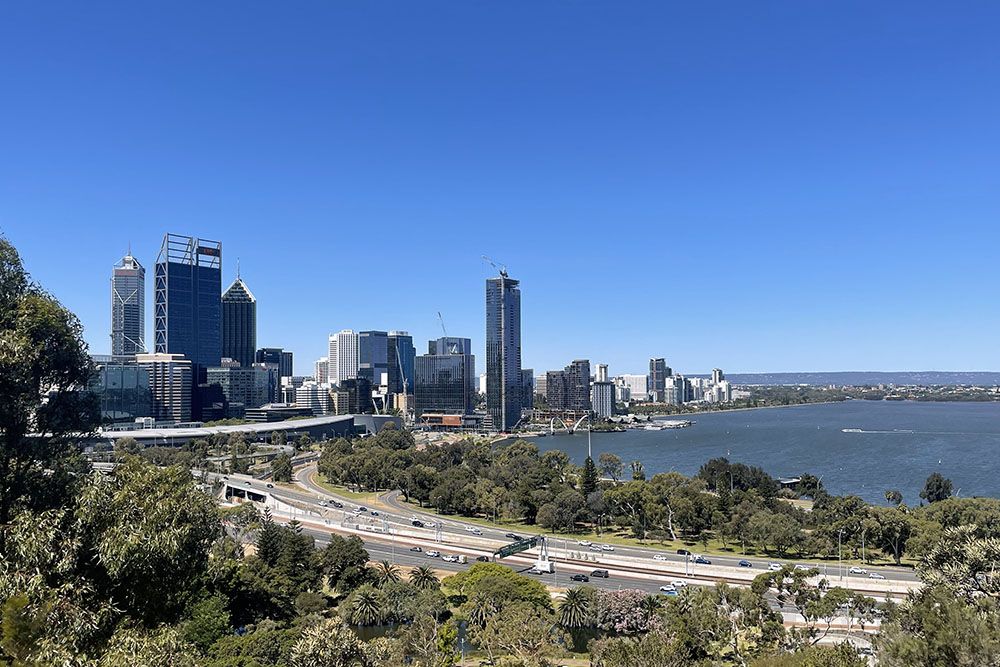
637	386
343	356
602	373
321	371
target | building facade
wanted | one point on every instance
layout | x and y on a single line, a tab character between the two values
444	383
342	356
122	388
128	307
637	386
170	384
313	396
656	381
187	318
527	388
242	387
321	370
602	399
239	324
569	389
401	355
503	351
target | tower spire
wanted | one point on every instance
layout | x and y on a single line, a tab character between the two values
237	268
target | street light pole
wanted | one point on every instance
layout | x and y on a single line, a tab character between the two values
840	563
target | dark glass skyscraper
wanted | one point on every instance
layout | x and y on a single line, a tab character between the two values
401	354
373	356
239	323
503	351
657	379
187	316
128	312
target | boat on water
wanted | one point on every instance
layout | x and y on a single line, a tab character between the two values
670	423
851	430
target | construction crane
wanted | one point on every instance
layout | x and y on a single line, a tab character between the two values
501	268
441	320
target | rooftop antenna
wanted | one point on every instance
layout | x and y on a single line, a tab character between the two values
237	268
501	268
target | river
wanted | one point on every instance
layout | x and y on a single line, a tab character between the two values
901	443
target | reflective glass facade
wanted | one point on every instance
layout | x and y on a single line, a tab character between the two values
503	351
445	383
123	390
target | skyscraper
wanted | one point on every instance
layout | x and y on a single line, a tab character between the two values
445	379
503	351
373	356
187	317
239	323
128	306
569	389
400	360
170	385
343	356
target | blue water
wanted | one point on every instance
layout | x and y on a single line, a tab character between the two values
902	443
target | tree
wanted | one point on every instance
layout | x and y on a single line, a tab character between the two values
563	512
344	560
589	477
653	649
207	622
127	446
894	497
523	631
893	527
839	655
965	564
386	573
161	648
281	468
364	606
936	488
638	470
624	612
575	608
611	466
424	577
330	643
44	370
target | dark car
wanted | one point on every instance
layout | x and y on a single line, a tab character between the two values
745	563
579	577
417	523
270	486
512	536
683	552
701	560
374	513
483	559
600	573
339	506
417	549
362	509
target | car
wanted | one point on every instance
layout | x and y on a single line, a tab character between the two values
374	513
668	588
433	554
339	506
584	543
416	549
270	486
225	479
701	560
322	503
450	559
535	570
417	523
594	547
607	547
678	583
512	536
875	575
745	563
476	531
857	570
429	524
579	577
802	567
773	567
248	483
483	559
600	573
659	557
362	509
671	592
683	552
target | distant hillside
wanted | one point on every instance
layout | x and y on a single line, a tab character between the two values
925	378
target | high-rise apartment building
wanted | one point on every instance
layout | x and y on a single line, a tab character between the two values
373	356
637	386
503	351
342	356
170	384
313	396
717	375
321	370
656	380
569	389
128	307
527	388
601	375
602	399
242	386
239	323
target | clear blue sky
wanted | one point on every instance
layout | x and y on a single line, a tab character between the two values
758	186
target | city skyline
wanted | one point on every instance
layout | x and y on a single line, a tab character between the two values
798	190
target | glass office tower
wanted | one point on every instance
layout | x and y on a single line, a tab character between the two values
401	354
503	351
187	315
373	356
128	311
239	323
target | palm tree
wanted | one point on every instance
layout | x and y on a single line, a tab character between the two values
574	608
424	577
651	604
386	573
366	606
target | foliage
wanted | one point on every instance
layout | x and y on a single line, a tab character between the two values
330	643
936	488
281	468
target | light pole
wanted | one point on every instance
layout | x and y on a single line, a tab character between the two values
840	563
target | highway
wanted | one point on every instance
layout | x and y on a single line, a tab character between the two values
399	517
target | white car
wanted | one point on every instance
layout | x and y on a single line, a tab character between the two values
433	554
659	557
678	583
594	547
669	588
802	567
875	575
430	524
773	567
607	547
857	570
584	543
